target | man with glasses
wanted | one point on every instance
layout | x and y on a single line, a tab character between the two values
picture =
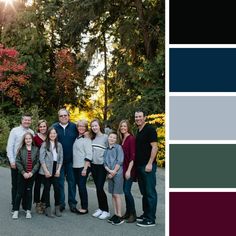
67	133
13	143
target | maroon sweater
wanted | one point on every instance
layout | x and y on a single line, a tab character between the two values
129	154
38	141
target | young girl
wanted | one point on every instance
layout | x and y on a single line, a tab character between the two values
51	159
27	163
82	156
99	144
113	161
127	141
39	138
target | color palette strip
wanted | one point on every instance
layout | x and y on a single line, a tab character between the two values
202	70
202	165
202	213
202	118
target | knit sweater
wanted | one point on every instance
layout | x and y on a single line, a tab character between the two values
99	145
82	151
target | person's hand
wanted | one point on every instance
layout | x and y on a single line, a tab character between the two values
26	175
57	174
84	172
148	168
13	165
30	174
110	176
127	175
47	174
113	173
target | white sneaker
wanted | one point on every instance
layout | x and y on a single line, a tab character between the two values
97	213
104	215
28	215
15	215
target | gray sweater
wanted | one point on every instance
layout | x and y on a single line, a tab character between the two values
99	145
46	157
82	150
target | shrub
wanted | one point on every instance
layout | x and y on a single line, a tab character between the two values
158	120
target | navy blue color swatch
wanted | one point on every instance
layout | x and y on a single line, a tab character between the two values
202	69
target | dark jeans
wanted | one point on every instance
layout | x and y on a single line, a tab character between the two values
147	186
129	200
68	173
54	181
99	176
14	174
24	188
81	183
39	180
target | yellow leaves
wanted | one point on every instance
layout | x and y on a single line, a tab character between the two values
159	120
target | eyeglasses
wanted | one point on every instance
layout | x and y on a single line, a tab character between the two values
63	115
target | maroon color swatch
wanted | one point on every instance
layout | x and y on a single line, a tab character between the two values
202	213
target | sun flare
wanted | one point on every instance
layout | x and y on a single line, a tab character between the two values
7	2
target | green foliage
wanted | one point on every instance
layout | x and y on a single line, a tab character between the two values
4	132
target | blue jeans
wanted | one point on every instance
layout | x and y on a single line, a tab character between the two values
147	186
81	183
129	200
67	172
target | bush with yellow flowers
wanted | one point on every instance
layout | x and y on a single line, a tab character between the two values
158	120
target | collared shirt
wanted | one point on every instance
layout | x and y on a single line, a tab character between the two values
14	141
114	155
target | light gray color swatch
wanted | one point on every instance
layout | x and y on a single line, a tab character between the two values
202	118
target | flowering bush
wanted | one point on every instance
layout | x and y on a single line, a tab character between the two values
158	120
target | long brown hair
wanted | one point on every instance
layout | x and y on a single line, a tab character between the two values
47	141
22	144
92	134
120	135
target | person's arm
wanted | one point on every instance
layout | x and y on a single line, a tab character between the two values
60	160
10	149
153	155
42	154
131	157
36	166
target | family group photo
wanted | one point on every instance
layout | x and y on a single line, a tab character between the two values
82	126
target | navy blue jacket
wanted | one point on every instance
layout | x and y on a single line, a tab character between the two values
66	138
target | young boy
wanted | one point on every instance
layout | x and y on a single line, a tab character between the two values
113	161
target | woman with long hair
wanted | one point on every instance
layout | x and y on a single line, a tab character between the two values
51	159
39	138
127	141
99	144
27	163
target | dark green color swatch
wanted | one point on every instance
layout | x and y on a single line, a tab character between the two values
202	165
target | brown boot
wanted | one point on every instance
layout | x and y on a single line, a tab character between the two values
57	211
125	216
132	218
43	206
38	208
48	212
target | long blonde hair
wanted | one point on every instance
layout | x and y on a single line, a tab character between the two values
120	135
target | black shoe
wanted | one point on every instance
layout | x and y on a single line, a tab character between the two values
110	220
74	210
118	221
140	218
62	208
146	223
82	212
